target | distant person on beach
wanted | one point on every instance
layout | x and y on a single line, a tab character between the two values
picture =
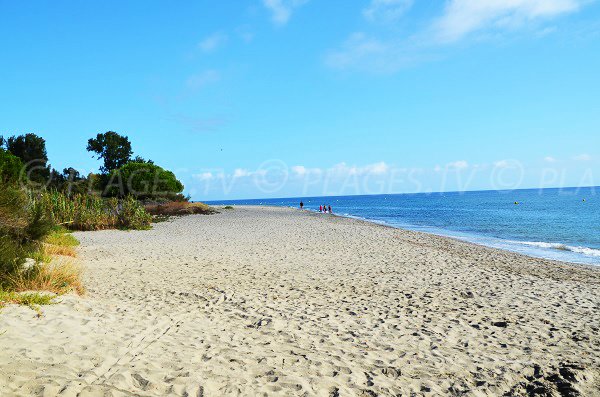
325	209
320	208
301	205
329	208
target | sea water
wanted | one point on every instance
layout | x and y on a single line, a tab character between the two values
561	224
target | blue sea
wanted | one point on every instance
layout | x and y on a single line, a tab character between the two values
561	224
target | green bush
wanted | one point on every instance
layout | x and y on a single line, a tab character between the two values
143	181
10	167
22	227
132	215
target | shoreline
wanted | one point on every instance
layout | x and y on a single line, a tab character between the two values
278	301
448	235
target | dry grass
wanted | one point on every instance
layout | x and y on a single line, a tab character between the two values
60	243
53	272
54	250
59	276
180	208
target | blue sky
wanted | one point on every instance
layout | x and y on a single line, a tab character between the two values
273	98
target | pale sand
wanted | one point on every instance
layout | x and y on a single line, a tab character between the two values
283	302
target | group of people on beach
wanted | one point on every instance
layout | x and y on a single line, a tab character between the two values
325	209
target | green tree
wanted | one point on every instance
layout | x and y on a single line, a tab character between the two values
10	167
143	181
31	149
112	148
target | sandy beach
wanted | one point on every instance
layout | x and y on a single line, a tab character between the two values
275	301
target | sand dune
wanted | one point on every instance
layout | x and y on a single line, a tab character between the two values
266	301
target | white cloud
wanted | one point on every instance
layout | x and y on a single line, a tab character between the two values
457	165
281	10
377	168
388	52
302	171
462	17
583	157
508	163
203	78
549	159
343	169
212	42
205	176
240	173
299	169
386	10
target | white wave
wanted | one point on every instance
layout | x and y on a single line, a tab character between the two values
563	247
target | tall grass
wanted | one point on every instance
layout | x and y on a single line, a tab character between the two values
89	212
60	276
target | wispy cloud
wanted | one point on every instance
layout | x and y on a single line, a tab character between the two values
203	78
386	10
367	53
245	33
212	42
549	159
388	51
281	10
463	17
583	157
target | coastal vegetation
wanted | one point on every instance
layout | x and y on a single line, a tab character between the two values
91	212
40	206
134	178
30	244
179	208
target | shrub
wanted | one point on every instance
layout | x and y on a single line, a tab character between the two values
22	227
133	216
10	168
143	181
180	208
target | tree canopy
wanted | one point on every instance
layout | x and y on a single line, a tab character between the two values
31	149
114	149
10	167
143	181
